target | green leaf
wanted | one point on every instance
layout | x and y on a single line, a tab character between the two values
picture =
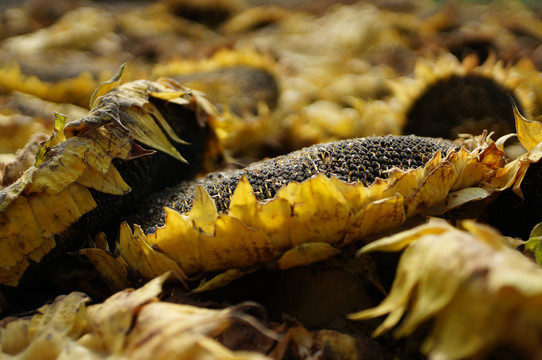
534	244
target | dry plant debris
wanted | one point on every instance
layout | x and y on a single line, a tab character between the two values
479	290
129	325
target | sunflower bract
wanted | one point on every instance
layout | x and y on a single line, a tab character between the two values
356	160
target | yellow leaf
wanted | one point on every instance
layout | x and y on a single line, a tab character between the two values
131	324
220	280
48	332
106	86
479	293
164	331
304	254
109	183
529	132
56	137
112	320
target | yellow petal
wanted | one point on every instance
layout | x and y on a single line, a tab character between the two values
106	86
146	130
529	132
320	212
21	233
141	257
305	254
375	217
234	243
186	253
479	293
203	214
113	269
220	280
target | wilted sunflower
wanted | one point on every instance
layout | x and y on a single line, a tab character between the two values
80	168
447	97
244	86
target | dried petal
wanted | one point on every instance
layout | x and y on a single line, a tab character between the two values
479	292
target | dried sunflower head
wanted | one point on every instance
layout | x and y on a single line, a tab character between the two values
448	98
244	85
100	161
291	210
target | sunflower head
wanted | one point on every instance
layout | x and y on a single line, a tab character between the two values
460	104
448	97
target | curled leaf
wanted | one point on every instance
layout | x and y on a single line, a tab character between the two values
479	292
529	131
106	86
56	137
130	324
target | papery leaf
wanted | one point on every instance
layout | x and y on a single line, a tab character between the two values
479	293
130	324
56	137
529	131
107	86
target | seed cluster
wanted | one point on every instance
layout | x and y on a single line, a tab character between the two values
357	160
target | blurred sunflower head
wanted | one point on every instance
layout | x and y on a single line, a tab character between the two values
447	97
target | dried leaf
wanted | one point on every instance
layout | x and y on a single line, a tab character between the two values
47	333
56	137
106	86
132	324
480	293
529	132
